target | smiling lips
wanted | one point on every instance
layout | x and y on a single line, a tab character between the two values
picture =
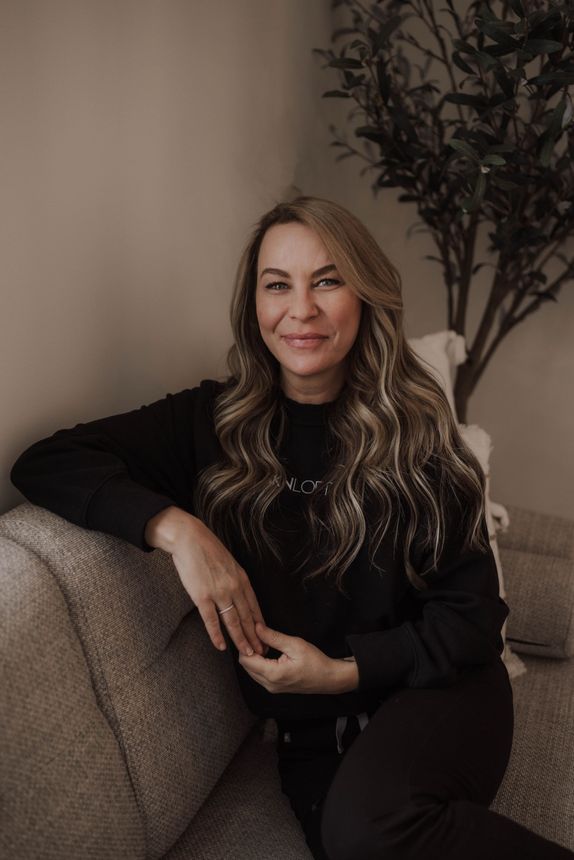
304	341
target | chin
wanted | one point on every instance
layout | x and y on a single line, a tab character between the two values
305	369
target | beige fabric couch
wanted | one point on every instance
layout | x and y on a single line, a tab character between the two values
123	733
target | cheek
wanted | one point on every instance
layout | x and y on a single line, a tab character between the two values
261	317
348	318
266	315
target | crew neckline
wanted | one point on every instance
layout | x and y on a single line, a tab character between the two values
311	414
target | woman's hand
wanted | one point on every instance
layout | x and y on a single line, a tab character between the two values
301	668
211	577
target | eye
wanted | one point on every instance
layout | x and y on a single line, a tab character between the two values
332	280
275	284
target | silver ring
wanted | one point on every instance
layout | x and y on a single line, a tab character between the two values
221	611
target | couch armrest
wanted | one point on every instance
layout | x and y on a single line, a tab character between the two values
64	783
172	700
537	557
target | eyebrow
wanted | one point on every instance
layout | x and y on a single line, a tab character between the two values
322	271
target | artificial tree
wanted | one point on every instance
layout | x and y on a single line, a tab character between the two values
491	143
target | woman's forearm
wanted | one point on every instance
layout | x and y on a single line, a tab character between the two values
346	675
164	529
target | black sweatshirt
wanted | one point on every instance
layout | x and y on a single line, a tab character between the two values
115	473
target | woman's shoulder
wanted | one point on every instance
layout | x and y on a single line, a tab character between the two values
209	389
195	403
206	392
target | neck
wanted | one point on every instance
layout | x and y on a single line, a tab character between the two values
311	391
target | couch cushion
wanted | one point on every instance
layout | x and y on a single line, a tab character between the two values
247	814
538	786
171	699
64	787
538	555
541	597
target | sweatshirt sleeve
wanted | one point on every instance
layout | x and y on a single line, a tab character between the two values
456	622
115	473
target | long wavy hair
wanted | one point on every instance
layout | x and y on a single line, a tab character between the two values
394	446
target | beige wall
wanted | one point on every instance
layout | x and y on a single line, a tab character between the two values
141	141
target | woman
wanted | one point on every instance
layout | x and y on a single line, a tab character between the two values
324	513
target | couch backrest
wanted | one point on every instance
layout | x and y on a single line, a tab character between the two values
144	668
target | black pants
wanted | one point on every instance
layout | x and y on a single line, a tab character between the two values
416	781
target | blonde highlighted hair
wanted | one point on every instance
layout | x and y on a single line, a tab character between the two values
395	448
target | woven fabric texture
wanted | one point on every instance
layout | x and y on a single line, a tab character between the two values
537	554
64	788
171	699
538	786
247	815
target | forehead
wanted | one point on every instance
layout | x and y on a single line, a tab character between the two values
293	247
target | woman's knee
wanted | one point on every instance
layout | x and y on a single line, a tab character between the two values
414	830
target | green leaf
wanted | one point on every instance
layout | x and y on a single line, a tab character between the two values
517	8
543	295
486	13
465	148
466	99
352	80
502	147
552	132
403	122
493	159
486	60
505	83
321	52
469	204
387	30
458	61
553	78
505	184
546	151
345	63
542	46
464	47
539	276
498	33
377	135
336	94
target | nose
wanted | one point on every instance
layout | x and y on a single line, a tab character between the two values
302	305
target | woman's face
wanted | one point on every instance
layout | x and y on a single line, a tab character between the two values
300	292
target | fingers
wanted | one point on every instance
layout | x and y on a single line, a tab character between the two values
210	618
252	603
253	612
242	622
238	621
223	583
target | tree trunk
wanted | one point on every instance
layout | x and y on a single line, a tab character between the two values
464	385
